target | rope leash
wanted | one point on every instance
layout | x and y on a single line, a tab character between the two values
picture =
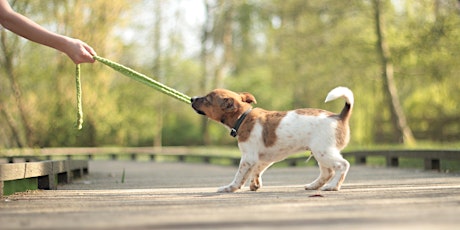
79	124
133	75
144	79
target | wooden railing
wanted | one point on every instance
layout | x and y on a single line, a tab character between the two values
38	163
180	153
18	177
432	158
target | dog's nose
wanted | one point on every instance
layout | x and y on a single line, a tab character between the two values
193	99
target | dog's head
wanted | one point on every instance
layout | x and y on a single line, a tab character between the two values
221	104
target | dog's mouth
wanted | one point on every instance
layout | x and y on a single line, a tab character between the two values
199	111
195	106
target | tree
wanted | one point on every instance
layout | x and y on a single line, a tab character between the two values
398	117
9	47
157	70
42	81
204	56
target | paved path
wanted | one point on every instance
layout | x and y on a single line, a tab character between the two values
182	196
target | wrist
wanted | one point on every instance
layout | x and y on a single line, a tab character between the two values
62	43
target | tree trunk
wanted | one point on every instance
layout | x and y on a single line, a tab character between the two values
226	60
398	117
9	69
16	138
204	85
157	65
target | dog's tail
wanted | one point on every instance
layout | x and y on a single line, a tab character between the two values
349	100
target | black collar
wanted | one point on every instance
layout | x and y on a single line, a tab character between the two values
240	120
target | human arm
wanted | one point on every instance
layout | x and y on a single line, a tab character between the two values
77	50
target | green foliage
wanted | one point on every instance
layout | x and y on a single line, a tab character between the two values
288	54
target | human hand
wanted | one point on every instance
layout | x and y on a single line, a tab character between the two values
79	51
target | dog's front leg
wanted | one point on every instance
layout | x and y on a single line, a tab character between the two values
241	176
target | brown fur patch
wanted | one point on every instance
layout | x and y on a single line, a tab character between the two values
246	127
312	112
269	120
270	124
342	135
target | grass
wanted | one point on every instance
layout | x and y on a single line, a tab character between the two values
22	185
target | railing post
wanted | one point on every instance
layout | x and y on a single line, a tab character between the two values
292	163
207	159
392	161
236	162
47	182
361	160
432	164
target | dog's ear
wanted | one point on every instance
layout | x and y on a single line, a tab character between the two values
247	97
228	105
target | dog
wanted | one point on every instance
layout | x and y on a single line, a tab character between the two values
265	137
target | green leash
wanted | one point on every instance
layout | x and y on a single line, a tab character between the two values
79	124
129	73
144	79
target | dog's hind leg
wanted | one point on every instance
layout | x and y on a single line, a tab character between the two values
257	172
242	175
324	176
341	167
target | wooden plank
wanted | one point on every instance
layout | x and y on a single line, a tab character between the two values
12	171
94	151
45	173
181	196
36	169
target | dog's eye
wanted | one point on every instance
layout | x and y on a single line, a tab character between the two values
207	99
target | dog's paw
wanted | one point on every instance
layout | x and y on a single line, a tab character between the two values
227	189
311	186
254	187
330	188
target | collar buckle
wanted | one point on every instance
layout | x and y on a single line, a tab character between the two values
234	130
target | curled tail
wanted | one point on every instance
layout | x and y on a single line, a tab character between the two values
349	100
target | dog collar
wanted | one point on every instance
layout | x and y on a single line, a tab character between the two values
234	130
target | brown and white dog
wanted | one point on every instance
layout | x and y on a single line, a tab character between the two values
265	137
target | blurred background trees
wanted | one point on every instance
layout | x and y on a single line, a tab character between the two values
289	54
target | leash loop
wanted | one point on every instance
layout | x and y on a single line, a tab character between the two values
79	123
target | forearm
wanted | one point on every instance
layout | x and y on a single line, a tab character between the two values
26	28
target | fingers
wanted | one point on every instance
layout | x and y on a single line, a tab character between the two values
81	53
87	53
90	50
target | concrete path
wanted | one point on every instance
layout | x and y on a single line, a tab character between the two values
182	196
